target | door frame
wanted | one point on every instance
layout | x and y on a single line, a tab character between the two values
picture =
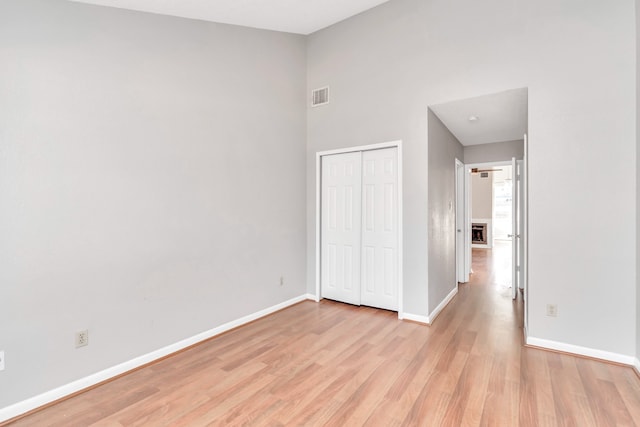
467	211
319	155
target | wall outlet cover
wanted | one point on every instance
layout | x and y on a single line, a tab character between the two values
82	338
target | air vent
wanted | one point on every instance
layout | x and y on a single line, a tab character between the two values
484	174
320	96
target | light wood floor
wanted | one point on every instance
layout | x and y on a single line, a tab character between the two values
335	364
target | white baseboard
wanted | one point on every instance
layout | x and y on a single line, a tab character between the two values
313	297
442	305
636	365
415	318
582	351
58	393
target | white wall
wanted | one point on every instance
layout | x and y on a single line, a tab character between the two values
481	196
387	65
497	151
444	149
151	183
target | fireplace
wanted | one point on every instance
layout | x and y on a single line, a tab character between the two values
479	233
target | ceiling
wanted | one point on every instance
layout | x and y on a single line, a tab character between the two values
500	117
291	16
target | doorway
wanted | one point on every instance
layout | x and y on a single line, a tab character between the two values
496	218
490	128
358	226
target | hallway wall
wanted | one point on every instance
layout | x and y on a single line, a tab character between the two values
497	151
444	149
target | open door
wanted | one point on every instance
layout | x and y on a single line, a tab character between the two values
524	230
519	224
515	212
461	275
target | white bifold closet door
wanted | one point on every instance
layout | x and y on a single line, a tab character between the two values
340	235
359	228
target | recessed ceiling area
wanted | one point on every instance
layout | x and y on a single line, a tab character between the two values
291	16
485	119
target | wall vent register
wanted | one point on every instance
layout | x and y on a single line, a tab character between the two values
320	97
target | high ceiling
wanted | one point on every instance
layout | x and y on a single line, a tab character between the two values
291	16
498	117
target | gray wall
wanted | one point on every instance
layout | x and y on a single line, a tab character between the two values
151	168
372	64
444	149
481	196
577	59
151	183
495	152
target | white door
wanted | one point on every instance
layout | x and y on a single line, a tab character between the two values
359	228
524	229
520	228
515	247
460	224
379	275
340	234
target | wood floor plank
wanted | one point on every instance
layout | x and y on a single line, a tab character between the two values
223	404
328	363
570	400
164	406
300	413
358	407
629	389
540	377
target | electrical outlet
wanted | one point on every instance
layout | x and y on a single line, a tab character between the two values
552	310
82	338
1	360
281	280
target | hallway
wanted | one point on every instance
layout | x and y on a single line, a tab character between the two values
330	363
492	266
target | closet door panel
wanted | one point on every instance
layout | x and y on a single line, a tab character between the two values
341	216
380	229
